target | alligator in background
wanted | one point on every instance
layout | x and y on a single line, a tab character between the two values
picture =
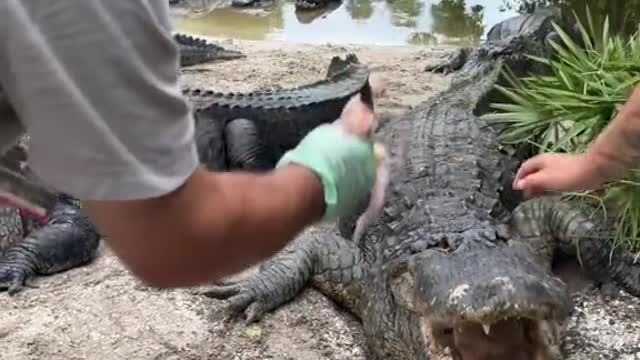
253	130
506	29
299	4
249	131
459	267
194	51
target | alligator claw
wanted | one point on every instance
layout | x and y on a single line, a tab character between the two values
250	297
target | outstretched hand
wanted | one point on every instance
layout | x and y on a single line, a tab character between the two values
557	172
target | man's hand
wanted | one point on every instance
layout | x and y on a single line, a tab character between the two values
558	172
341	156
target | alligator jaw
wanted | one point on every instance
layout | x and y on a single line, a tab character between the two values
486	303
510	339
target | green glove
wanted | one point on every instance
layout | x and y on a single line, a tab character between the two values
345	163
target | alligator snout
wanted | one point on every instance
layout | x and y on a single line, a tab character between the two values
486	303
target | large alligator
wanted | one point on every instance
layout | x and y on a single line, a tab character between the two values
194	51
458	267
249	131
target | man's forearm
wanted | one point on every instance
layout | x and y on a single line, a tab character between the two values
617	148
216	224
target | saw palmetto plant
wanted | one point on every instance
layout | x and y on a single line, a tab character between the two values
567	109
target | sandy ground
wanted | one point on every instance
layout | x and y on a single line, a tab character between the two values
101	312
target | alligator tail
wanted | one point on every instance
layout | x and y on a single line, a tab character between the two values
549	223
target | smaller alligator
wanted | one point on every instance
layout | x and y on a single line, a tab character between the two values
195	51
253	130
313	4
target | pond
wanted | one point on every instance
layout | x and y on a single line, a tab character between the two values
379	22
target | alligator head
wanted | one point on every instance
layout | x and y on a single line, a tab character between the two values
484	303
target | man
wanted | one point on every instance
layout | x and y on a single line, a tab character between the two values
95	85
615	150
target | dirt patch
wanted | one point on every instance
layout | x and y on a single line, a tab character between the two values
101	312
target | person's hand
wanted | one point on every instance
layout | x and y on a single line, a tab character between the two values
342	157
557	172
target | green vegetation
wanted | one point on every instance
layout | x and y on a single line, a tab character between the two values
566	110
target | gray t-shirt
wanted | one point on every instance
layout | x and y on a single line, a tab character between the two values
95	85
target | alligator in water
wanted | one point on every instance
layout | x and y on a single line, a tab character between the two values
234	130
458	266
195	51
253	130
33	245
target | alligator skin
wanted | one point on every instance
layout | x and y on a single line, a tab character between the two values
458	267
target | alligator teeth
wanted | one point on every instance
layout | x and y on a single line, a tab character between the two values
486	328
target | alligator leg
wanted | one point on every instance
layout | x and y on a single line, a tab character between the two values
325	260
68	240
548	223
210	142
245	149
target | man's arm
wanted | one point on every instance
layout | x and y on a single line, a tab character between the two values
95	85
214	225
617	148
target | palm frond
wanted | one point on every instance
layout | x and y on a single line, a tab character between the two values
566	110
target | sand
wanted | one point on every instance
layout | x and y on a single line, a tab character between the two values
100	311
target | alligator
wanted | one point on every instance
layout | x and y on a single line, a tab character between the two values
458	266
308	5
194	51
252	131
541	19
307	16
225	137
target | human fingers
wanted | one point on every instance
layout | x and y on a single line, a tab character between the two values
527	168
357	118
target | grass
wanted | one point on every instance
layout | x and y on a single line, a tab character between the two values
565	111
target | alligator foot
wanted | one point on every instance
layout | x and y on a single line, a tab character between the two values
452	63
549	223
66	241
325	260
245	149
276	282
16	273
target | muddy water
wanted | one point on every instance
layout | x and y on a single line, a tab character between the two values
371	22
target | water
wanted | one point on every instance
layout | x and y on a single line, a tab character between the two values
370	22
391	22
